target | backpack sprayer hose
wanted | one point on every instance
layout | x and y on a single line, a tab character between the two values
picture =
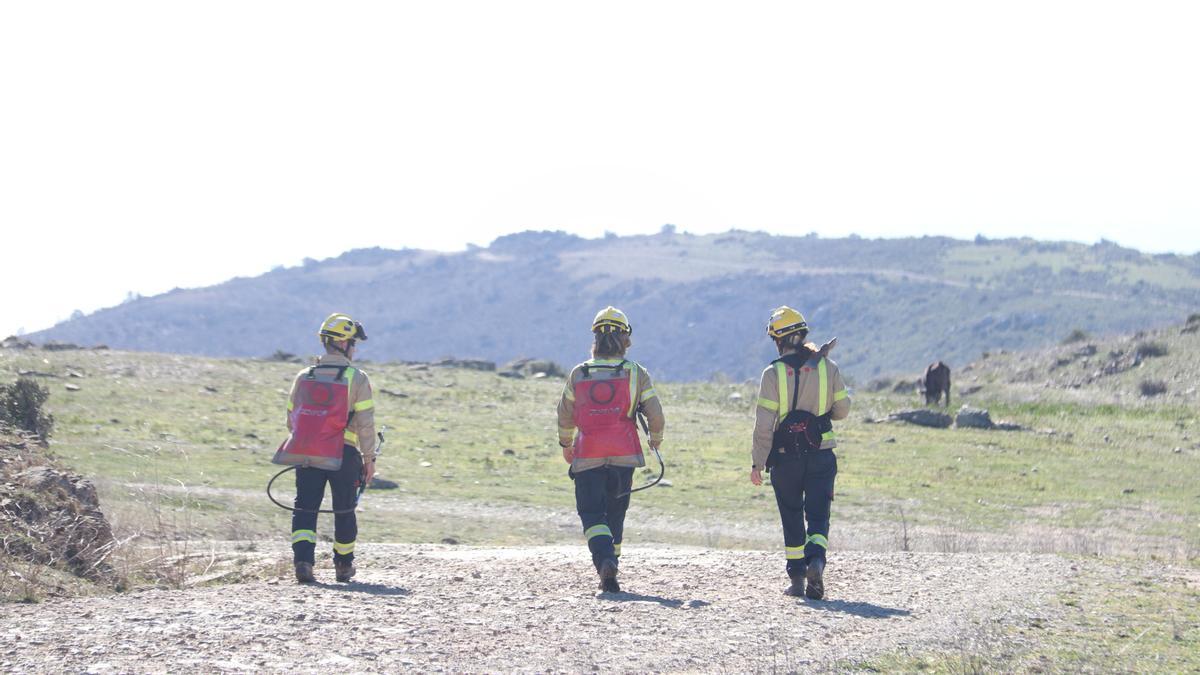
361	488
662	467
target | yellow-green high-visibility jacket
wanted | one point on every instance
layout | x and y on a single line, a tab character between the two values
821	390
360	433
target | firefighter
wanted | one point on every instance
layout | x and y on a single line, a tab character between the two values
599	437
801	394
344	420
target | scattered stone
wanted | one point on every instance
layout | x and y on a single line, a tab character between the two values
378	483
1009	426
1127	491
72	373
72	387
973	418
666	482
426	464
1177	450
509	452
393	394
453	542
923	417
735	397
511	374
34	373
890	439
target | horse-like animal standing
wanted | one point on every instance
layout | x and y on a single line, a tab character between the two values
935	382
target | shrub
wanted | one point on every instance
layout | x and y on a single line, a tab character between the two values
21	407
1193	319
1152	387
1077	335
1150	350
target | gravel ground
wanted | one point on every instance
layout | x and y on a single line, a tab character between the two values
447	608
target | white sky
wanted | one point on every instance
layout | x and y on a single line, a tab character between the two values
148	145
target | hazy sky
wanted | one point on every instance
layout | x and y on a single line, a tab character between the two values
148	145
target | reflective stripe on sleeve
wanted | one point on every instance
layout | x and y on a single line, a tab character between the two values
840	395
304	535
768	404
794	552
648	394
351	438
364	405
569	393
290	405
343	549
617	549
818	539
597	531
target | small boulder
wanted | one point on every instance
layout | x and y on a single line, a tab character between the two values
378	483
923	417
973	418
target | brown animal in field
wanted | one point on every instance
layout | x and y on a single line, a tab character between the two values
936	381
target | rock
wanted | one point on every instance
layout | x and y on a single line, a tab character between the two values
14	342
56	346
973	418
72	373
1127	491
923	417
427	464
735	397
535	367
509	452
511	374
393	394
378	483
72	387
665	483
468	364
889	440
1009	426
453	542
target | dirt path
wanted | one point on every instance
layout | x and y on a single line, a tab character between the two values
536	609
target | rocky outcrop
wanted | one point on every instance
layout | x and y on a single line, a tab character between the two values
973	418
923	417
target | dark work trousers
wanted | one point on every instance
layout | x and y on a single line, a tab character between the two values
804	490
602	514
310	491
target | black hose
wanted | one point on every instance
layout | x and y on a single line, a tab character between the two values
362	486
662	466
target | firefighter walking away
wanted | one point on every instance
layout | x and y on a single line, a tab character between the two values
801	394
597	430
331	420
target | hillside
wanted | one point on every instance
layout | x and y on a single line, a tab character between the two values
698	303
1070	548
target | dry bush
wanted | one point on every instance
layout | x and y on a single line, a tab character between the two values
1150	350
1152	387
21	407
1077	335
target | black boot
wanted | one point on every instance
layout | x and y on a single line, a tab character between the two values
608	577
816	582
796	574
304	573
344	571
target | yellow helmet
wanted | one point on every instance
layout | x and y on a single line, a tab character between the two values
611	319
785	321
342	327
